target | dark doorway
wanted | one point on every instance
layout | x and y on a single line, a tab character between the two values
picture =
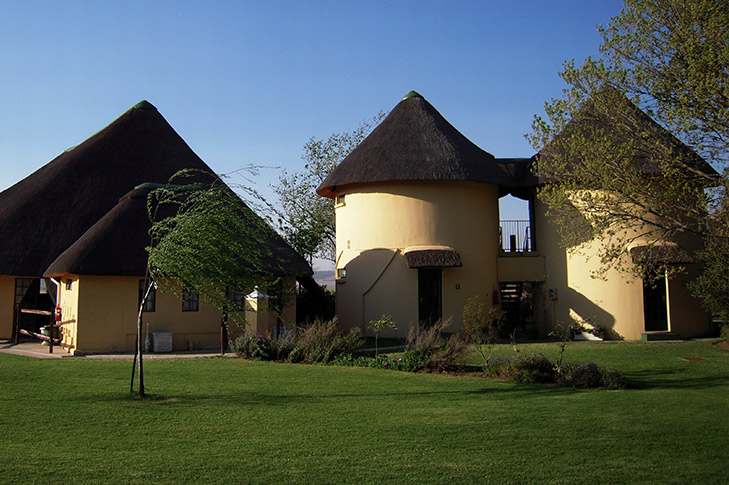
654	303
33	294
430	295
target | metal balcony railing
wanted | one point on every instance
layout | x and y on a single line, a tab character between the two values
515	236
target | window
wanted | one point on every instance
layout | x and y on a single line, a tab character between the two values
237	298
189	299
151	303
341	273
339	201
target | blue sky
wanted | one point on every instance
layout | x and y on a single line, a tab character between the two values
250	82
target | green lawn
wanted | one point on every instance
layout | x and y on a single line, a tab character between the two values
233	421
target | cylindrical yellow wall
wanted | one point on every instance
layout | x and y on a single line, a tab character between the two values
377	222
614	301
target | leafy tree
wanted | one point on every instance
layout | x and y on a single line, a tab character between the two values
481	327
205	240
670	58
382	323
307	220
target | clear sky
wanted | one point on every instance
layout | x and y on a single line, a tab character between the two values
249	82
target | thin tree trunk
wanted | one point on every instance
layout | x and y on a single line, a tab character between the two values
140	341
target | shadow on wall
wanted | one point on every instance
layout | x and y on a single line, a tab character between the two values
590	313
362	273
575	303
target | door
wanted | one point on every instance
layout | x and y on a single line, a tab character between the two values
654	304
32	293
430	295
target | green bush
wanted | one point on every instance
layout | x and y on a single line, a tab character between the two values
535	368
318	342
295	356
251	346
539	369
280	348
322	341
429	348
591	375
587	375
482	328
410	362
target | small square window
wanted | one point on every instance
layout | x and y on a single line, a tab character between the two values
237	298
190	299
339	201
341	273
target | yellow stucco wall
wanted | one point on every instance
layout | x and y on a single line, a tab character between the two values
615	301
7	295
260	320
100	315
378	221
69	311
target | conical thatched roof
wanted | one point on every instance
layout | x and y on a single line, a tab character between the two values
116	244
415	142
611	117
46	213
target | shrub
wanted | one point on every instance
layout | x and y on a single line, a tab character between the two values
280	348
482	329
613	379
322	341
251	346
724	332
427	348
535	368
539	369
410	362
295	356
582	375
590	375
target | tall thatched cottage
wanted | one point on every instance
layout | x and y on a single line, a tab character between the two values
418	235
74	235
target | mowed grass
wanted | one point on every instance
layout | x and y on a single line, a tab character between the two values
221	420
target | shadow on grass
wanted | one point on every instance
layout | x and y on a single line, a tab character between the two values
674	380
520	391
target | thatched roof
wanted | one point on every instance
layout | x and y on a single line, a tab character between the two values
46	213
116	244
414	142
611	116
432	257
667	253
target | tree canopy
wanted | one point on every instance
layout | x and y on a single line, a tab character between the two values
615	141
307	220
203	234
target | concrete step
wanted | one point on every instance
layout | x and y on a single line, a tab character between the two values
657	336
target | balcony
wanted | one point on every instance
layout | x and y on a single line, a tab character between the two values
515	237
518	260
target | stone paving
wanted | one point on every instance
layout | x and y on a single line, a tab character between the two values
36	349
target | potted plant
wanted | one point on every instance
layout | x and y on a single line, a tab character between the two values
591	332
